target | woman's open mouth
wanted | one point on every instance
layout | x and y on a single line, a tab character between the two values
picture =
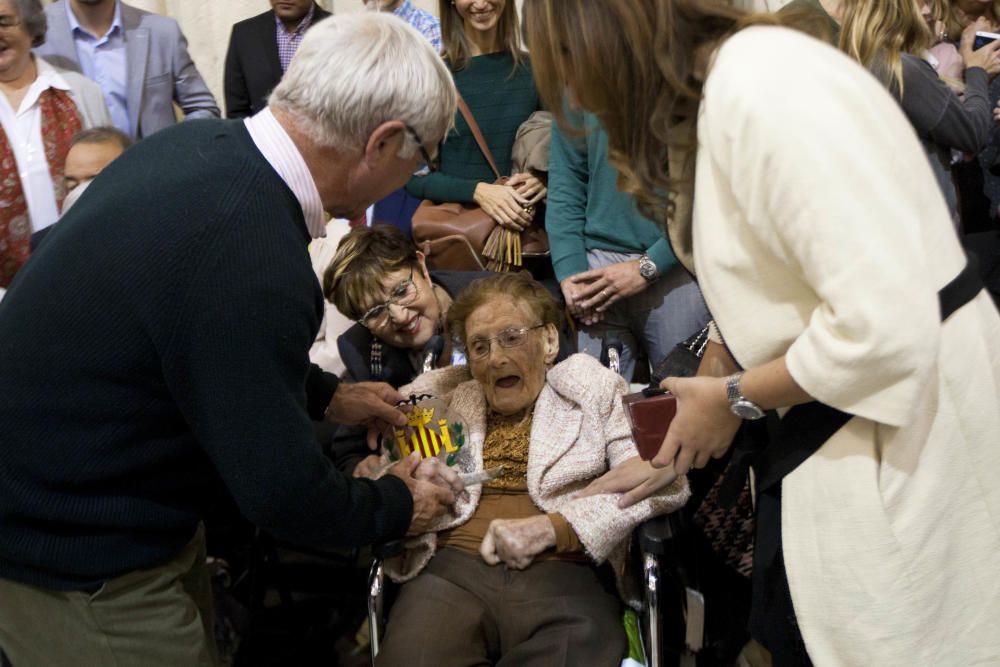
411	327
508	381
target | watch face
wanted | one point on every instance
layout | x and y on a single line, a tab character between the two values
647	270
746	410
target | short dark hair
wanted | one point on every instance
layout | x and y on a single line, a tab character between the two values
364	258
100	135
33	18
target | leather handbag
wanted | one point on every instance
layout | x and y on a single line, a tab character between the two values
452	236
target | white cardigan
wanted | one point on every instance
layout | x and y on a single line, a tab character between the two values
806	246
579	430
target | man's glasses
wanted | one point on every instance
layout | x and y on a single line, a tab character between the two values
479	348
430	165
403	294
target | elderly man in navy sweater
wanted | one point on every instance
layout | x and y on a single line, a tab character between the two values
156	349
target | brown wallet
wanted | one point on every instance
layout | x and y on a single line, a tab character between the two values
649	412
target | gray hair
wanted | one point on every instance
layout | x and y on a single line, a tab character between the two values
354	72
101	134
33	19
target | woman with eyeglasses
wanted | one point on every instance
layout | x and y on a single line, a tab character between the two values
482	46
523	572
380	280
41	108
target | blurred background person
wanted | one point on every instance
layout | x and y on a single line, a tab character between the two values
482	47
260	49
425	22
139	59
42	107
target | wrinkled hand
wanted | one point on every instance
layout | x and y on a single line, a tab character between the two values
503	204
369	403
986	57
529	186
367	466
433	471
516	542
703	427
429	500
635	479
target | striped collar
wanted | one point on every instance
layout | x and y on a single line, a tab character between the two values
280	152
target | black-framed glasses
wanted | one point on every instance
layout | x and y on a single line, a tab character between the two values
430	165
479	348
403	294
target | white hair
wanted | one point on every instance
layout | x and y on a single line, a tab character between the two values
352	73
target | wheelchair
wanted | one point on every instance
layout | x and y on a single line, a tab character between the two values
674	606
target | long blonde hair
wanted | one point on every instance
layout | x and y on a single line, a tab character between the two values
876	34
633	64
455	44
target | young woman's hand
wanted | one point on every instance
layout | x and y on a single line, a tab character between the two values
529	186
504	204
986	57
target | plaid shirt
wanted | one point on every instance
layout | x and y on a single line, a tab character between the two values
425	23
288	42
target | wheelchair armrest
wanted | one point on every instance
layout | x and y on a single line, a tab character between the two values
657	535
388	549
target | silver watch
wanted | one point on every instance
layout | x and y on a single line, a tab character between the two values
741	406
647	269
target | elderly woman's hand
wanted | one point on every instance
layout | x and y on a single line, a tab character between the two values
703	427
516	542
503	204
635	479
433	471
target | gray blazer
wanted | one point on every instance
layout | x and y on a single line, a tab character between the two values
160	71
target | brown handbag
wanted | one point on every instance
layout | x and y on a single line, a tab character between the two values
452	236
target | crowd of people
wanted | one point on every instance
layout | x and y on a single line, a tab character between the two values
789	218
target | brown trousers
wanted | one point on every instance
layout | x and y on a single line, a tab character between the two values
159	616
461	612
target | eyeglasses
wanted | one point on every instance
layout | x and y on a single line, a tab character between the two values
9	21
403	294
479	348
430	165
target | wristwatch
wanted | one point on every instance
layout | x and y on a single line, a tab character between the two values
741	406
647	269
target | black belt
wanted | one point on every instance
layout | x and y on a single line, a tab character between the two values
774	447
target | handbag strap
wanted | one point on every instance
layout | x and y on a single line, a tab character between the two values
477	133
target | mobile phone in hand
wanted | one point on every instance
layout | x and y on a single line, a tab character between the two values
984	38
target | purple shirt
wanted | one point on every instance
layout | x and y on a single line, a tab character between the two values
288	42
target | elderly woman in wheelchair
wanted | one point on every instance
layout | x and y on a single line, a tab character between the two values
528	570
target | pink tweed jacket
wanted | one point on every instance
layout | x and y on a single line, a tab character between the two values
579	431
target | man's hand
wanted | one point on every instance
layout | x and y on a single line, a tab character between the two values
370	403
429	500
635	478
516	542
703	427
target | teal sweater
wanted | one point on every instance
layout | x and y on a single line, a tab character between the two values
154	352
586	211
500	101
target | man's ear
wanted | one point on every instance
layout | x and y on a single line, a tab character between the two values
550	343
385	141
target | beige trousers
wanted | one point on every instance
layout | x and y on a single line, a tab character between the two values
160	616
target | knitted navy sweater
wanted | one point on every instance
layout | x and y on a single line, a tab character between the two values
155	350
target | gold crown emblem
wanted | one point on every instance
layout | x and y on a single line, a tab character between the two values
419	417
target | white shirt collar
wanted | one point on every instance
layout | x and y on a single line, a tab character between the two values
281	153
47	77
